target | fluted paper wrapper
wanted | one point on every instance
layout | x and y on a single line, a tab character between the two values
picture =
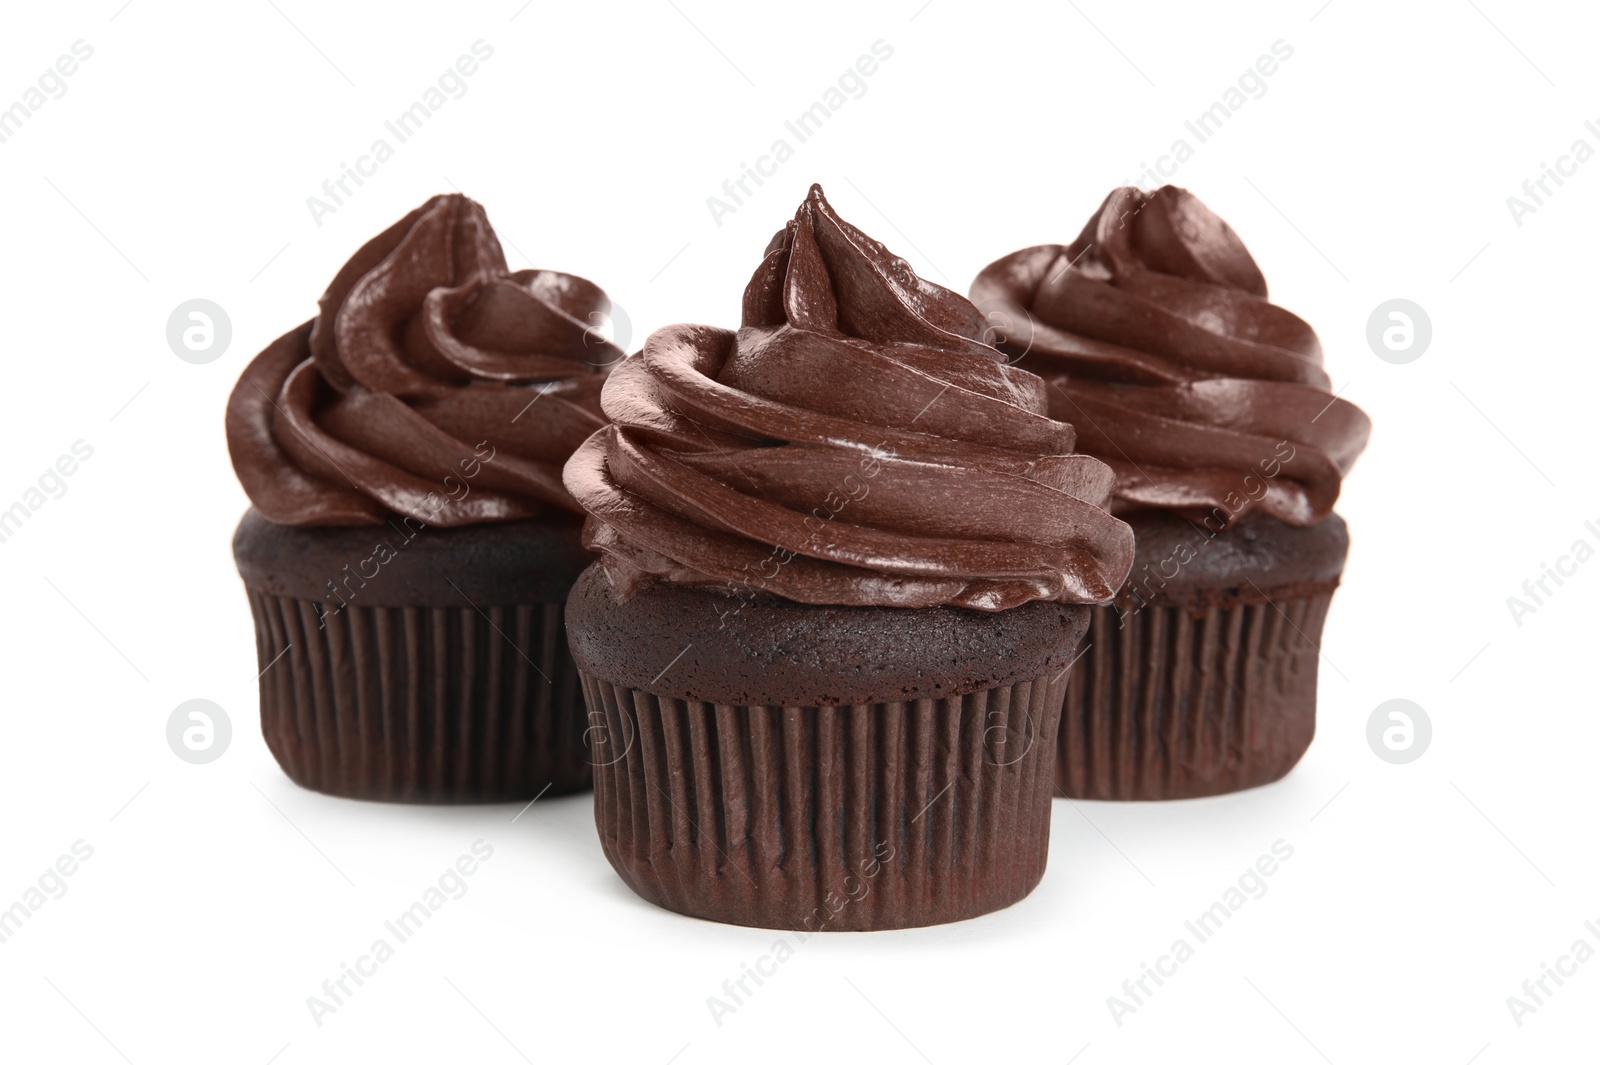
421	704
853	817
1177	702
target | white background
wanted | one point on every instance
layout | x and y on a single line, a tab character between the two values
1376	165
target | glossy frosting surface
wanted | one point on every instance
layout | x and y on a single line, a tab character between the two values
855	442
1155	333
434	383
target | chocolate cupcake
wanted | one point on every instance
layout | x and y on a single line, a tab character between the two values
410	544
843	557
1211	404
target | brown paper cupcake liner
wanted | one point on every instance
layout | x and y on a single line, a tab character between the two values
421	704
1177	702
853	817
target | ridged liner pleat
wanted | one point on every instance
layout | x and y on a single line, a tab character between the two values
872	816
417	704
1172	703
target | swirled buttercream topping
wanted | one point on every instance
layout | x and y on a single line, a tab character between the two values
1160	346
855	442
434	383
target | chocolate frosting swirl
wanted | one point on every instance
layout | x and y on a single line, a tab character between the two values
854	443
1156	335
433	384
